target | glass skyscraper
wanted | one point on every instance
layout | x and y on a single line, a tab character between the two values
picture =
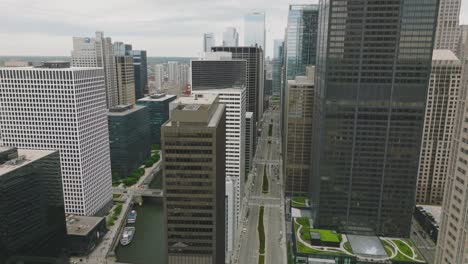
254	29
277	66
373	67
301	39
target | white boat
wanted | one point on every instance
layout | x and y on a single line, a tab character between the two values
131	218
127	235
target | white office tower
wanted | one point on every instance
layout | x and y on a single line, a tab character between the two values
254	29
452	241
173	71
184	75
448	25
159	76
229	217
230	37
63	108
98	52
208	41
235	101
440	121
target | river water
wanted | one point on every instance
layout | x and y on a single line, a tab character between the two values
148	245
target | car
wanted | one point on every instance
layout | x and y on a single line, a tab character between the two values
244	230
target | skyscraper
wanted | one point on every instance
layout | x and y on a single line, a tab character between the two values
230	216
184	75
230	38
97	52
125	80
193	156
277	67
255	75
158	106
249	137
298	134
140	67
254	30
61	108
159	76
301	39
218	72
208	41
372	105
448	26
439	127
31	207
452	239
234	100
173	71
129	138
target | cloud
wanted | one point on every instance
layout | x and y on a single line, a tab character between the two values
163	27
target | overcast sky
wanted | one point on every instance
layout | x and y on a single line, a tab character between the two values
162	27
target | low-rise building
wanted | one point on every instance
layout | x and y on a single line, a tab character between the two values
84	233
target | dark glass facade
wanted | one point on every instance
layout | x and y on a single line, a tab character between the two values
218	74
373	67
255	75
129	138
140	66
32	216
158	107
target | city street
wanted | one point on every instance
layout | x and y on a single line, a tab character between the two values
267	157
423	242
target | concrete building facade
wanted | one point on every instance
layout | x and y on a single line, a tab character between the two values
444	92
125	80
299	113
448	26
193	156
61	108
97	52
234	101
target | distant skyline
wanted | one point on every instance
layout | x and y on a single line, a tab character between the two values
162	27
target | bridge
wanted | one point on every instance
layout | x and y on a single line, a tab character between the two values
143	192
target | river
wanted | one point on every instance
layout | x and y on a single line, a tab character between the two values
148	245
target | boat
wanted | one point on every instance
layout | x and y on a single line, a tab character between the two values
131	218
127	235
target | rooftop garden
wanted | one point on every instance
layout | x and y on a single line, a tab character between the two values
299	202
402	250
398	250
302	228
327	235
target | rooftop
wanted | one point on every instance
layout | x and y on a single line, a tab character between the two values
237	90
157	97
25	157
434	210
444	54
205	99
122	110
81	225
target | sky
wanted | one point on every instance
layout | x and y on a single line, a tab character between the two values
162	27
